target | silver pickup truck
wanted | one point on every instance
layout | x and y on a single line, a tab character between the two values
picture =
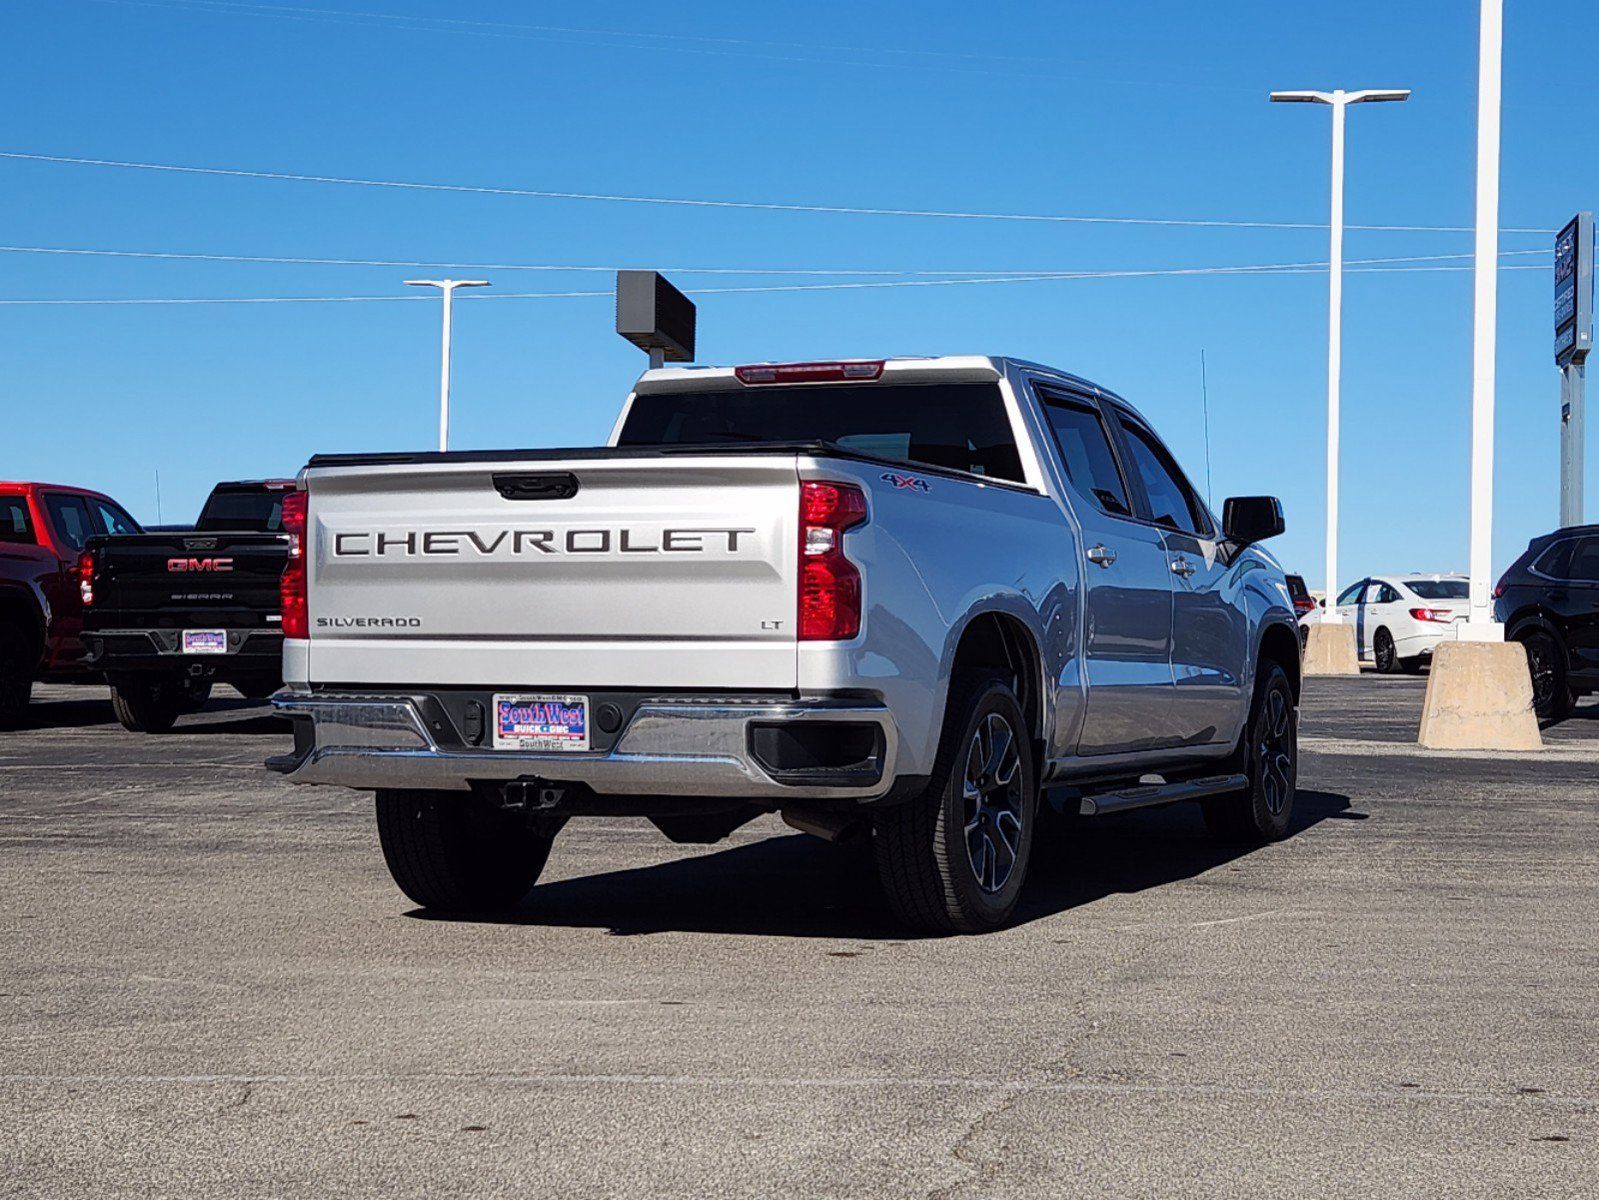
936	602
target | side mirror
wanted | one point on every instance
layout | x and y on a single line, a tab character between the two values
1246	520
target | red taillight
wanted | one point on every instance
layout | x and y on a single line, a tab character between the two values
292	588
1499	588
1441	615
829	584
813	372
86	578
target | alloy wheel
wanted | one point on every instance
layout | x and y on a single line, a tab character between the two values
1274	749
992	793
1541	663
1385	651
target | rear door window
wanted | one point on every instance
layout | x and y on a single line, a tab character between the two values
1585	561
1085	450
70	516
1555	562
956	426
15	524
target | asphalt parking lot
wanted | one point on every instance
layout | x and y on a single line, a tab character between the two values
212	988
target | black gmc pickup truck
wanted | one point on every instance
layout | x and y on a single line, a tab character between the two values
168	614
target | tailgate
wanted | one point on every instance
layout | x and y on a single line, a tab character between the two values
170	581
618	571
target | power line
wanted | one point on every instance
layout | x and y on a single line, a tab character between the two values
872	58
755	205
414	21
282	260
1264	269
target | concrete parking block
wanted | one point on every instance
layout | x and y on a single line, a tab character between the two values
1479	697
1330	650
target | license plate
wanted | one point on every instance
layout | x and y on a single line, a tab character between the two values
205	641
541	722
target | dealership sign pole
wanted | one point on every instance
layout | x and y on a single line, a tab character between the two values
1573	339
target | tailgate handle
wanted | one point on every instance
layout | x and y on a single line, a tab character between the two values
552	485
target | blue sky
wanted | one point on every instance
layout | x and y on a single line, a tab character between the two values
1142	108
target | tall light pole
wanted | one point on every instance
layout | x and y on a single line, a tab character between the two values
1480	625
1339	100
1479	692
447	290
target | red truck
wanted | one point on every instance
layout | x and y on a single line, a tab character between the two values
43	529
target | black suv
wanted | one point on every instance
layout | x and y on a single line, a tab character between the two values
1549	602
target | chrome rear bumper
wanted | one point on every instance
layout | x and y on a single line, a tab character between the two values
671	748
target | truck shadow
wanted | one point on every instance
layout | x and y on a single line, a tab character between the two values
799	886
225	714
67	714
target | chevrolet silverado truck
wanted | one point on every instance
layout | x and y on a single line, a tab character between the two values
43	529
933	602
168	614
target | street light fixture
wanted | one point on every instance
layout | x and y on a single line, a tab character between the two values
1338	100
447	290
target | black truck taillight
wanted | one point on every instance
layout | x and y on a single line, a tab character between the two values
86	578
292	586
829	584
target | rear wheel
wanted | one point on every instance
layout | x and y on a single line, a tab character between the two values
954	859
16	675
1261	812
1546	661
147	705
455	852
1384	653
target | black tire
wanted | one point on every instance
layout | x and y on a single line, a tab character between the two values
954	859
16	676
1268	754
146	705
454	852
1546	662
1384	654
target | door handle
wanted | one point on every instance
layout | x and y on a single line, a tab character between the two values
1101	554
1183	567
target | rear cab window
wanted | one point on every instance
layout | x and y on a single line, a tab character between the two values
256	510
16	525
960	427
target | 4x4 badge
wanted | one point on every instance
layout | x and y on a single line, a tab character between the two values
905	482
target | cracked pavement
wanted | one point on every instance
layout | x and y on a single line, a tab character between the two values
211	988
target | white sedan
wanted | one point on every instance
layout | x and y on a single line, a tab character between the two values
1398	619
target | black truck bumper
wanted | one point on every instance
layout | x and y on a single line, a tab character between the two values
250	654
